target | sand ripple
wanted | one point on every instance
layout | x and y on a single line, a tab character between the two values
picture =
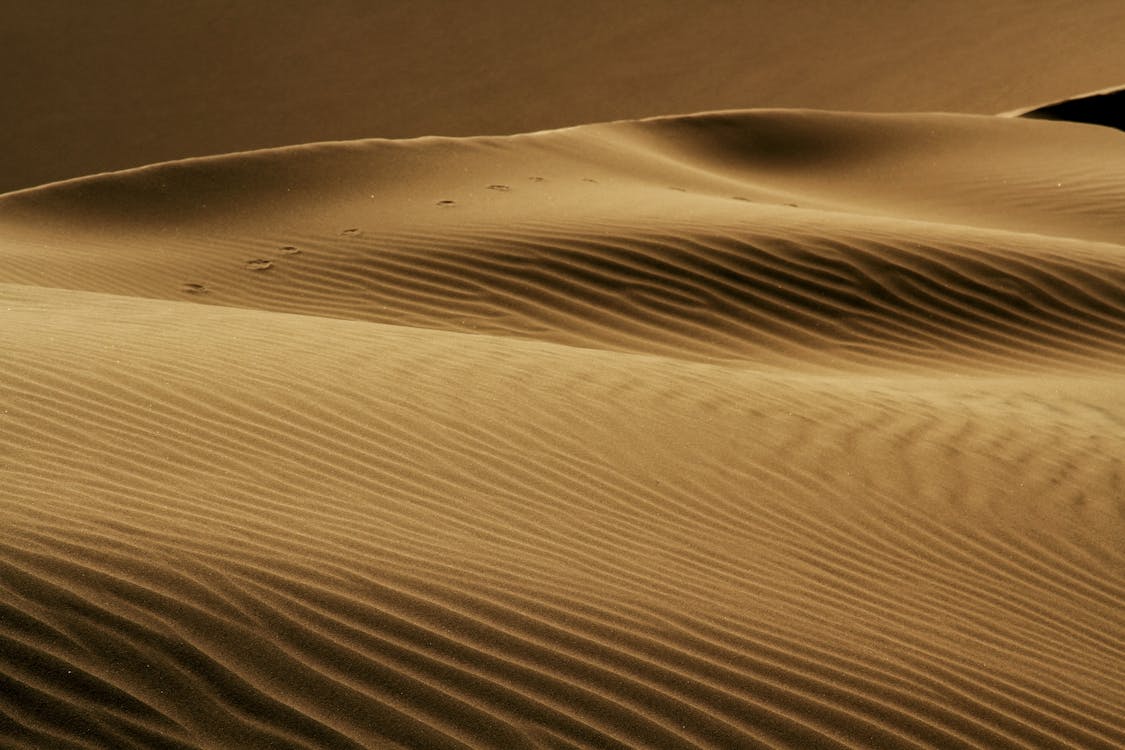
588	461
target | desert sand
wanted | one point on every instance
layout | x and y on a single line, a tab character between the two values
756	427
91	87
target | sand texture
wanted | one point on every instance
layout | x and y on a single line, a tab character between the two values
772	428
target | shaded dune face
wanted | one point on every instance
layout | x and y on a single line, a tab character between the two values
747	429
1106	109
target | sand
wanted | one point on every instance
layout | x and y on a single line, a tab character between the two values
92	87
771	427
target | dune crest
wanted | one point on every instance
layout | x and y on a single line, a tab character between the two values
775	428
969	170
343	69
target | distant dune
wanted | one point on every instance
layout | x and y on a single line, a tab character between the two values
93	87
765	428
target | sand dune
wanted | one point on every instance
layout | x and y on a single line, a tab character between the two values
92	87
819	237
772	428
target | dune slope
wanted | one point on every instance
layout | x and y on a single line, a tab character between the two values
213	76
745	429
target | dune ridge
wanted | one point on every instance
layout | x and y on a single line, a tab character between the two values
582	438
222	75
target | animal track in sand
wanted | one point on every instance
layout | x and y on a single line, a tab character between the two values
195	288
289	250
259	264
501	188
352	232
589	179
446	203
537	179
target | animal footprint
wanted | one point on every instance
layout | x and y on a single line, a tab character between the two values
741	198
589	179
289	250
537	179
259	264
350	232
195	288
501	188
446	203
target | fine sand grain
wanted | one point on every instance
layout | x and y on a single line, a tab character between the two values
771	428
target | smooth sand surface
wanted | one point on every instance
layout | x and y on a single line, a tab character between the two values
775	428
94	86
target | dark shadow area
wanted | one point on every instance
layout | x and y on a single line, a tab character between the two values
1098	109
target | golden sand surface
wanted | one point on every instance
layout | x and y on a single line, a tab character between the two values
770	427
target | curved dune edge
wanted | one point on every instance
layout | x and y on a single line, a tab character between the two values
967	170
334	71
616	449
